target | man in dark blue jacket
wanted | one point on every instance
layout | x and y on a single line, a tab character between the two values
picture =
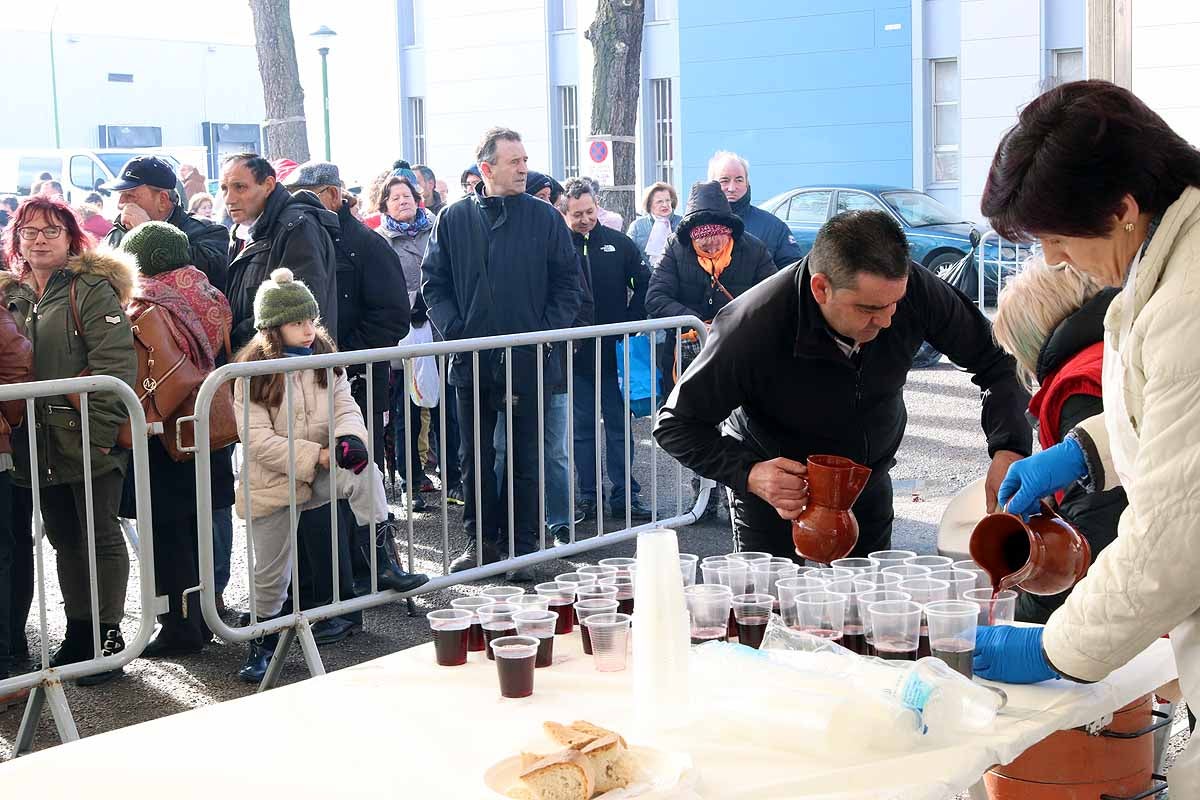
613	265
500	262
733	173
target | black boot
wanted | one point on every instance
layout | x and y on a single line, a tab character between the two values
258	658
77	646
111	643
387	562
181	632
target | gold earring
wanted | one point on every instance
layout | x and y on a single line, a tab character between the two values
1128	227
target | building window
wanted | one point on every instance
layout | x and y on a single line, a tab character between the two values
562	15
416	128
1066	65
662	10
945	120
568	116
664	123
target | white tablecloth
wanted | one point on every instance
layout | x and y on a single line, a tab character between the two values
402	727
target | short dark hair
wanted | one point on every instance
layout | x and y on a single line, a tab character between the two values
425	172
856	242
10	202
259	167
576	188
486	151
386	190
1075	153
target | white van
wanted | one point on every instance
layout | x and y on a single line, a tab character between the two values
80	171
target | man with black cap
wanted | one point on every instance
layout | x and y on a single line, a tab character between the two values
148	191
813	360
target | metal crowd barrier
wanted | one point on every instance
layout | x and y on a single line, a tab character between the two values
298	623
45	684
1005	267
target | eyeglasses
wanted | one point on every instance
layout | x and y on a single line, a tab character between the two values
30	233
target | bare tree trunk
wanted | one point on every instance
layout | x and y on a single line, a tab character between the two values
616	37
286	133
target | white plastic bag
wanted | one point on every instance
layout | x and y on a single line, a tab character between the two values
424	385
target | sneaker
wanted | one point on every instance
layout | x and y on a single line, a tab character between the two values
585	508
470	557
427	486
560	534
454	496
637	511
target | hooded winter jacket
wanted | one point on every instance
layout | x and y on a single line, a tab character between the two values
104	284
293	231
680	286
770	230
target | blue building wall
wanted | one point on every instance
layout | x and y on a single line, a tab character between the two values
809	91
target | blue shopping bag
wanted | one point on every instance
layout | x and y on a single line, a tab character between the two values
642	370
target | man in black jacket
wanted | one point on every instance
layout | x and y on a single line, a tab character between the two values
618	277
733	173
275	229
500	262
147	192
813	361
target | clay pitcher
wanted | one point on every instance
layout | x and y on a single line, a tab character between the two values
1046	555
827	529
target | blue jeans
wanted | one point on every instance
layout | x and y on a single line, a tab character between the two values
222	528
554	443
612	410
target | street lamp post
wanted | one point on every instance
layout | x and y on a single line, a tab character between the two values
54	81
323	36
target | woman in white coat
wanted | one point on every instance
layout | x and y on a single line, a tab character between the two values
1106	186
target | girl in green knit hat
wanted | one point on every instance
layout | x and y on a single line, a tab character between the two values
285	315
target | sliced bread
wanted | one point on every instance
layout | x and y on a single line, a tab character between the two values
569	736
563	776
612	764
596	732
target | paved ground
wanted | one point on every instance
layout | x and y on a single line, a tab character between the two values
944	450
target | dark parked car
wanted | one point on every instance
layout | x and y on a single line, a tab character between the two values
936	235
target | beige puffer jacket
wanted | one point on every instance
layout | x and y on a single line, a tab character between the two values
267	444
1145	584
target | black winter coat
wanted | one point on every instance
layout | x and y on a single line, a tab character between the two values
497	265
618	277
679	285
1095	514
773	369
294	231
372	302
770	230
208	244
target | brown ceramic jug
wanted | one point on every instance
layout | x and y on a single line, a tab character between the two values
827	529
1046	555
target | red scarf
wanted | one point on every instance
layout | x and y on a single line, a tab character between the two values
202	310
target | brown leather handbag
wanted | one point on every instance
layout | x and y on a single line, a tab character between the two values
222	420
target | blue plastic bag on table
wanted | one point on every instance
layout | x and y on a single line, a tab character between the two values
641	370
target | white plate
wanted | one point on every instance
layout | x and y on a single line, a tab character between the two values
661	774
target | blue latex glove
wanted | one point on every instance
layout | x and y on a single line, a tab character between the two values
1010	654
1041	475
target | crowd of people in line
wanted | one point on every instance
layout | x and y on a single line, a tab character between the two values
286	261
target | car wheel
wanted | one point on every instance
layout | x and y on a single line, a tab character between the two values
943	259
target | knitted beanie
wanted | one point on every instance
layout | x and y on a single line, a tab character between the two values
157	247
281	300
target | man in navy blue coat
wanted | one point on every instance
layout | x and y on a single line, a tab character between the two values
500	262
733	173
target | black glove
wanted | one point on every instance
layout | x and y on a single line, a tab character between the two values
352	454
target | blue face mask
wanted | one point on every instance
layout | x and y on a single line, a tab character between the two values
297	351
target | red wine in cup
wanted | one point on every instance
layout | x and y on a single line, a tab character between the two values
958	654
895	651
545	652
751	630
516	676
450	646
495	633
475	642
702	635
566	621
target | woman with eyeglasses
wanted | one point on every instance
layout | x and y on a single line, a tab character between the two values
69	300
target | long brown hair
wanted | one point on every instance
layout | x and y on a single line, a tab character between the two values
267	390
